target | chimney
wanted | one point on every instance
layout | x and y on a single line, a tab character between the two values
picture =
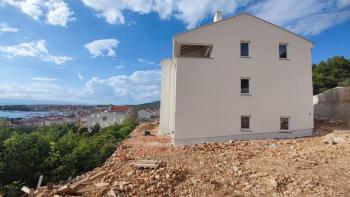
218	16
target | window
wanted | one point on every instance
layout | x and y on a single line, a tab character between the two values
245	122
92	115
244	49
283	51
198	51
284	123
104	118
244	86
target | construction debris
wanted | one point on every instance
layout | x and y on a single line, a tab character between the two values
152	166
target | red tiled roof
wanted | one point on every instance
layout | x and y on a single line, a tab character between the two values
149	110
119	108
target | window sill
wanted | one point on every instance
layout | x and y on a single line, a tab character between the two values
246	57
284	59
246	130
208	58
245	94
285	131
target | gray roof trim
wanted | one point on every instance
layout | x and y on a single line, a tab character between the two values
178	34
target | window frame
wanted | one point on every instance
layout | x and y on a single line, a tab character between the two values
209	45
249	86
240	48
279	53
288	119
249	123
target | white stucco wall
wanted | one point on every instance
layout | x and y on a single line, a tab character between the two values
208	99
167	101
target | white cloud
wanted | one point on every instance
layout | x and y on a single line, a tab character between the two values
40	91
143	61
140	86
33	49
191	13
44	79
80	76
343	3
104	47
317	23
55	12
308	17
6	28
119	67
293	14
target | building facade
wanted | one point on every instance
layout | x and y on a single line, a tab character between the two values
113	115
238	78
146	114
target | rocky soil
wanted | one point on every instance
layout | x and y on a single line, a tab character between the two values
312	166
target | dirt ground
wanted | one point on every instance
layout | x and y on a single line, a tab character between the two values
312	166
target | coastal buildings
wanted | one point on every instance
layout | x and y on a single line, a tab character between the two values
238	78
107	117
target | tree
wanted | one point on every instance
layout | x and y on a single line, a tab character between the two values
95	129
332	73
58	152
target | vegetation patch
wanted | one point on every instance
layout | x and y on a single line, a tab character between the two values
58	152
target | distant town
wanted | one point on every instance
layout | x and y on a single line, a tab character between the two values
22	116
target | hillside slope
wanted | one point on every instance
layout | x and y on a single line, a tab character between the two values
313	166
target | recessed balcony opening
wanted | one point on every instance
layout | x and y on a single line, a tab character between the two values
197	51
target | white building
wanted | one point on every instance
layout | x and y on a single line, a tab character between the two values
238	78
146	114
113	115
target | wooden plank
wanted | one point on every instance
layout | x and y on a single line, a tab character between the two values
146	165
25	189
40	180
147	161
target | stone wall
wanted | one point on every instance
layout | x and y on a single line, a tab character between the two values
334	104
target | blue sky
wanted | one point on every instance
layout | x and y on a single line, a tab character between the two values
108	51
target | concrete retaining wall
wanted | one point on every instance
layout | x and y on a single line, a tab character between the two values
333	104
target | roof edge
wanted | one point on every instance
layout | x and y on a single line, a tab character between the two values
244	13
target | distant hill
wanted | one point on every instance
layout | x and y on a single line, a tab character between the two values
153	105
35	102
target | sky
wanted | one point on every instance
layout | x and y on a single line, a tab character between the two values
108	51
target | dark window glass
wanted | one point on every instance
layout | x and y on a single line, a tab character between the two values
283	51
284	123
198	51
104	118
244	49
245	86
245	122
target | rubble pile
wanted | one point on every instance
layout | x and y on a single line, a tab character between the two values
313	166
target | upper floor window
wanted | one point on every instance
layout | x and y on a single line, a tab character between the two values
197	51
104	118
245	86
283	51
244	49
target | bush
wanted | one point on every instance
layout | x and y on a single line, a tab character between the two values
57	152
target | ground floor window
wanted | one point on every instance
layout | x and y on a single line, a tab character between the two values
245	122
284	123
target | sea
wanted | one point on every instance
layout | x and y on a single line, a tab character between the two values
28	114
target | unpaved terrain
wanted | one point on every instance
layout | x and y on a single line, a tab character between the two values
313	166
